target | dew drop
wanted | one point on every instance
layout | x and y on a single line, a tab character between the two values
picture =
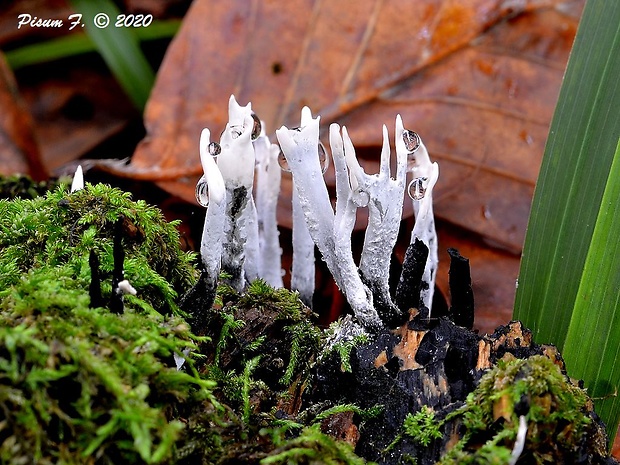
283	162
416	189
360	198
202	191
412	140
256	128
214	149
323	158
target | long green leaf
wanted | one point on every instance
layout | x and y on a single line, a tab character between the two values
597	308
578	156
570	269
120	49
77	44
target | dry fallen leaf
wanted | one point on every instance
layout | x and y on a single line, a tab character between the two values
75	110
478	79
484	113
74	104
18	149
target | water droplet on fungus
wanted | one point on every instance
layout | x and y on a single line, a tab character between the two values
416	189
411	139
214	149
202	191
360	198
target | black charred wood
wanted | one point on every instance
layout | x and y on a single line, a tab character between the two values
390	314
461	294
198	301
94	288
401	371
409	286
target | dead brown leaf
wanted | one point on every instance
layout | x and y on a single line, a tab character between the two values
75	110
478	79
18	149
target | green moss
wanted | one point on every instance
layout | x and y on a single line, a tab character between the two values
61	228
364	414
261	295
304	339
422	426
263	322
343	347
229	326
77	382
312	447
23	187
81	384
556	412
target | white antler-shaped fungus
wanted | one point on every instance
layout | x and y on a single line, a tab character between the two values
303	266
211	193
384	197
78	180
268	176
425	174
301	151
243	241
357	293
236	163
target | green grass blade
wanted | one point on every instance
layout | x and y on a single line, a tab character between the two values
77	44
120	49
593	340
575	168
50	50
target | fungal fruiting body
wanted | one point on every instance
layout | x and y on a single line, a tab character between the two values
268	178
425	174
241	237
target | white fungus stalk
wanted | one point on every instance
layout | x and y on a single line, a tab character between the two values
357	293
268	176
179	360
346	208
384	197
301	151
213	232
251	264
303	266
517	450
236	163
78	179
300	147
425	174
